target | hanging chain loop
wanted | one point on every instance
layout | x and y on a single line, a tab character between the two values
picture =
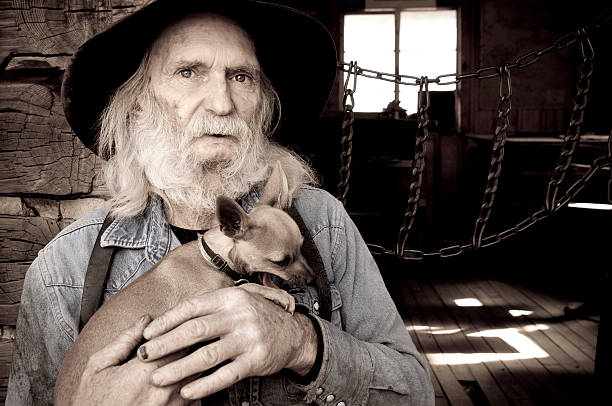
552	204
418	166
573	190
497	155
603	162
572	136
490	71
600	163
346	148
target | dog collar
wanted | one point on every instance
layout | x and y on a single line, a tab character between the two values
215	260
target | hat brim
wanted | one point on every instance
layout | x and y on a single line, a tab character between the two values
295	51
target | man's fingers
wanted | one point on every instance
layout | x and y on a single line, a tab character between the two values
224	377
187	309
185	335
201	360
191	308
120	348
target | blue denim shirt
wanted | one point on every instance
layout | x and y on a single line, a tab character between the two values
368	356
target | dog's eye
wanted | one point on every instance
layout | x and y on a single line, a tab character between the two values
283	262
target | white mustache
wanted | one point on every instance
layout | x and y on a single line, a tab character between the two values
208	124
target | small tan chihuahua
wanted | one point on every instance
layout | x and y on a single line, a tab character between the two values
263	243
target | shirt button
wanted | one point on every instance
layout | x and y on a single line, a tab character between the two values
330	398
315	306
319	391
340	404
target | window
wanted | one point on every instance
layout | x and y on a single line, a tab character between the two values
425	44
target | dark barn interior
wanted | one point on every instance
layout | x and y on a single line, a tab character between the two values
507	314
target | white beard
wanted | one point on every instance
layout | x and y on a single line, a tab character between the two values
175	173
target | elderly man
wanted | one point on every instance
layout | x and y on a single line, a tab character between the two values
184	98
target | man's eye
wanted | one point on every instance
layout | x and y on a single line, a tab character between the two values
241	77
186	73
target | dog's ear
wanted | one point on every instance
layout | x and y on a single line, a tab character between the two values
276	191
232	218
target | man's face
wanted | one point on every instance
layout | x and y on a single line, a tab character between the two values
206	64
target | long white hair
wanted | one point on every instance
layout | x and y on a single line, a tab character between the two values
147	154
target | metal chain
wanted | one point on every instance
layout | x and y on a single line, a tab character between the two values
418	165
603	162
573	190
490	71
504	106
346	153
572	136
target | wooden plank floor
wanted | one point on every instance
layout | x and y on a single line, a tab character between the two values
481	353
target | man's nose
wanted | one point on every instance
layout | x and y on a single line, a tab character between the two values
218	98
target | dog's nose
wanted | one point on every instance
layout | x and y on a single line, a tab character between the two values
305	271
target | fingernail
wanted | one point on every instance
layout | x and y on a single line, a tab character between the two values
143	319
147	332
157	378
142	351
186	393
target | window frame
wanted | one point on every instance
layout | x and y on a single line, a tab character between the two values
396	12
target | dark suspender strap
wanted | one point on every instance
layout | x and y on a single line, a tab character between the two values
312	256
96	277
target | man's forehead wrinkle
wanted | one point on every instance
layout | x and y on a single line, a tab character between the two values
189	63
179	44
208	19
160	49
182	30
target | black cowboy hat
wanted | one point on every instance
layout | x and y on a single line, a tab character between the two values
295	51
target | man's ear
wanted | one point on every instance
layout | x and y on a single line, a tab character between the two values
276	191
232	218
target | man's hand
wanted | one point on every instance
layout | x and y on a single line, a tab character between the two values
259	338
105	382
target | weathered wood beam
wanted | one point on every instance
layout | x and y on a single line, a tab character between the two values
38	151
55	27
6	352
22	237
20	240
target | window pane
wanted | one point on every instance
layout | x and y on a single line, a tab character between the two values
369	39
428	46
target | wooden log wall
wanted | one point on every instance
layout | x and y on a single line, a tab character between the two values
47	177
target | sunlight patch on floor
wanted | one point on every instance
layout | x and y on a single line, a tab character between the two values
524	346
468	302
518	313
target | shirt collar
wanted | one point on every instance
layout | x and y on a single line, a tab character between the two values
148	230
151	231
